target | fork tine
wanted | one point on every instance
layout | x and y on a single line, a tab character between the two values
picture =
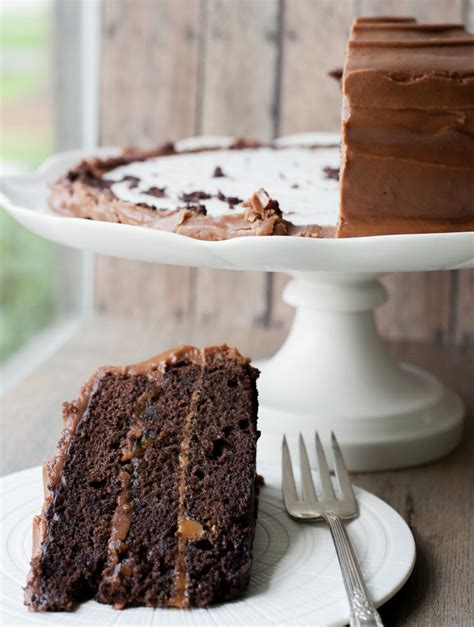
307	485
325	478
342	474
290	496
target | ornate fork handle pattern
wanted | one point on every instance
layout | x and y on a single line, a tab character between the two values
363	613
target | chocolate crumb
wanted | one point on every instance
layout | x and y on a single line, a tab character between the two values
265	213
196	207
131	180
336	74
145	206
218	173
230	200
87	174
195	197
260	206
233	200
331	173
158	192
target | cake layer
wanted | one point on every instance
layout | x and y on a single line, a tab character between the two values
223	501
405	187
443	137
142	445
378	201
82	492
142	556
408	129
389	78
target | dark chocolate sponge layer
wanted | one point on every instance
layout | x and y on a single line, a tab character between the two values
151	498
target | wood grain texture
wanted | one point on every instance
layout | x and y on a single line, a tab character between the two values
314	42
418	307
143	291
149	70
436	500
423	10
149	94
239	68
238	97
463	306
468	12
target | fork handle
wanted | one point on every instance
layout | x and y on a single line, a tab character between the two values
363	613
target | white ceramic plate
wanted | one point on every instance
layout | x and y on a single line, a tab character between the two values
25	198
295	578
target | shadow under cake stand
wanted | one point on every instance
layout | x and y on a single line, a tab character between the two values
333	371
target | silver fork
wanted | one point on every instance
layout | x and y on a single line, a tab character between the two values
333	509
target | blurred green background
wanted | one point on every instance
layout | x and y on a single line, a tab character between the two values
27	263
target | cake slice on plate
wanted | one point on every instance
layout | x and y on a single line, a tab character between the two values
151	499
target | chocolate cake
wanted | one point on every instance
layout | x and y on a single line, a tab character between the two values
407	161
151	499
231	189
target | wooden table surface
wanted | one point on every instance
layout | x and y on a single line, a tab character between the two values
436	500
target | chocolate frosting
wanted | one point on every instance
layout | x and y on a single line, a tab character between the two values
112	190
408	129
265	213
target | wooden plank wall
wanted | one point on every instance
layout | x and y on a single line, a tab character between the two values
174	68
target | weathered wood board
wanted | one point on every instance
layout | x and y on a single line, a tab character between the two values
174	68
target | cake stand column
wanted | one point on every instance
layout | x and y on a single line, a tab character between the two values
334	373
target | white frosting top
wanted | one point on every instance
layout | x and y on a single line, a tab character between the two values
293	176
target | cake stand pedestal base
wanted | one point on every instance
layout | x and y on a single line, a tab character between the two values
333	373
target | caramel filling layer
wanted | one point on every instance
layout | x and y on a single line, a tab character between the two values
187	529
122	516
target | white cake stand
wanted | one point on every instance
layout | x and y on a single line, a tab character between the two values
332	372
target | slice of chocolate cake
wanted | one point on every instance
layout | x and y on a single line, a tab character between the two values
151	499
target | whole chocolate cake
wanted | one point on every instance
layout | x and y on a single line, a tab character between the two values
151	499
407	156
